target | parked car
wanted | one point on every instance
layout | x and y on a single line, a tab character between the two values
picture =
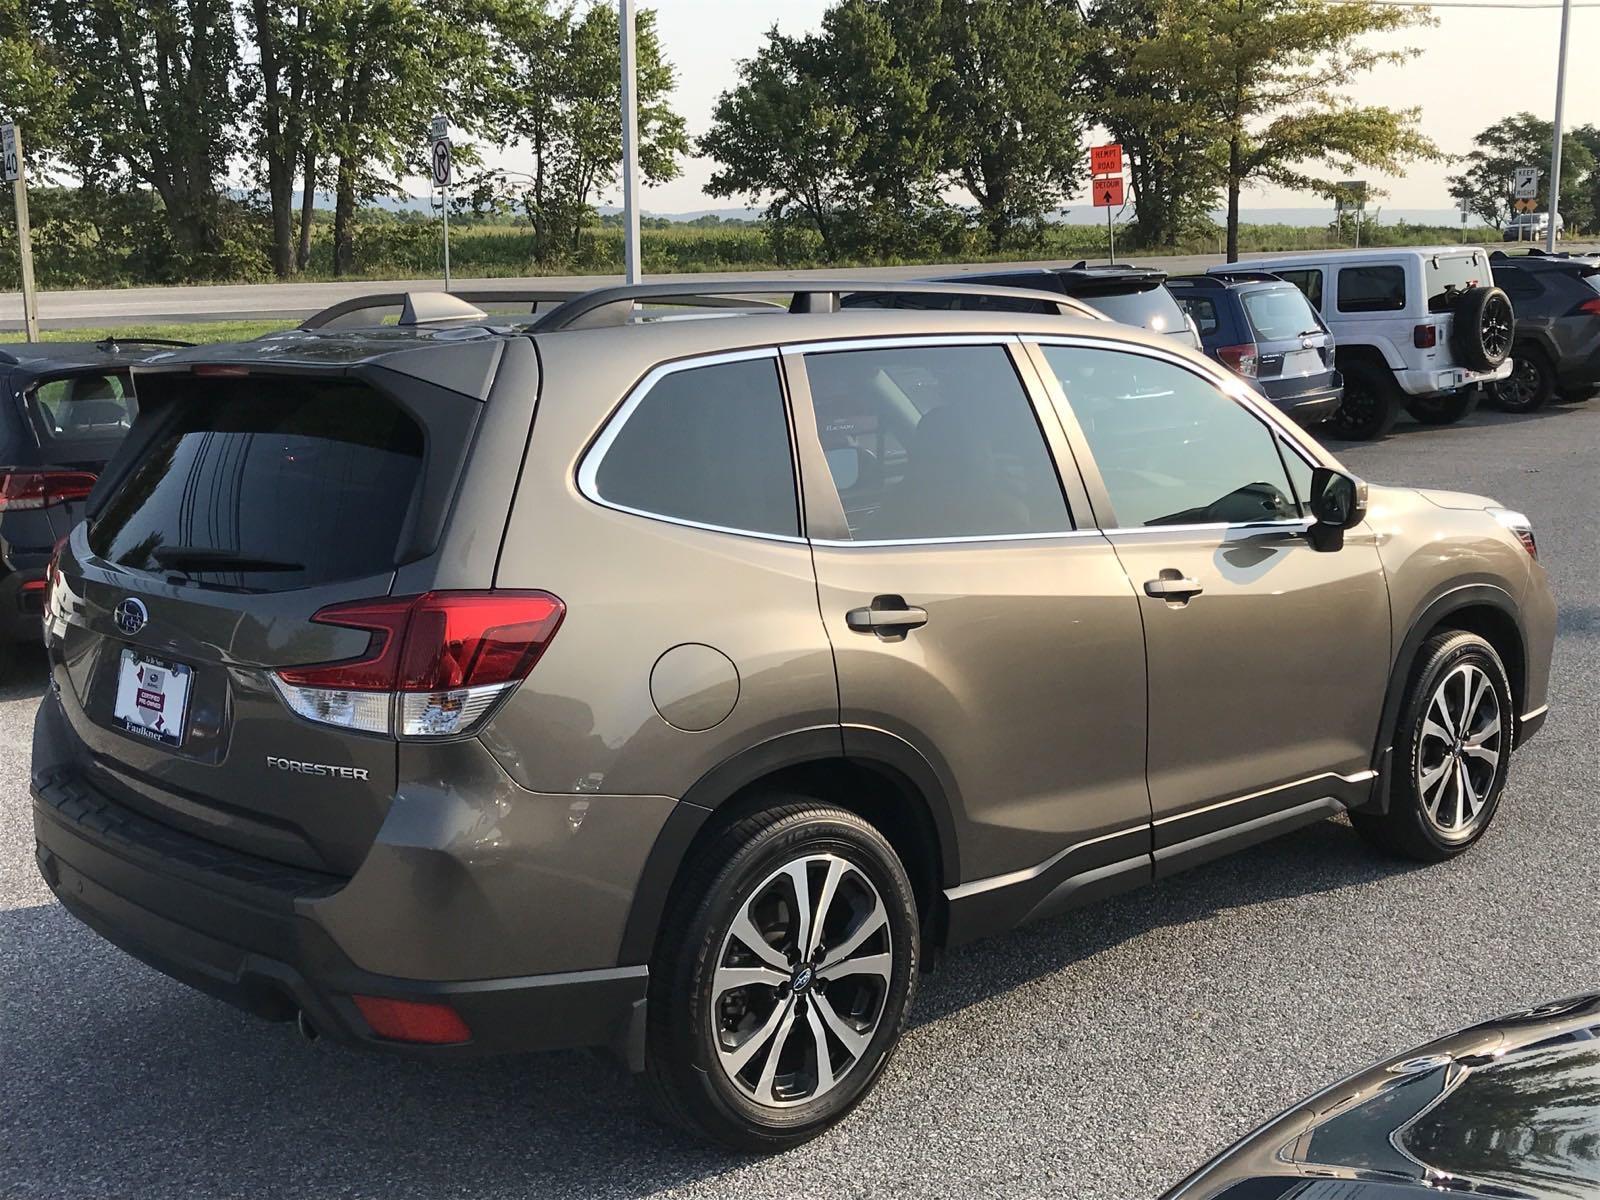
1557	340
1264	330
1508	1109
69	404
685	686
1131	294
1418	328
1532	227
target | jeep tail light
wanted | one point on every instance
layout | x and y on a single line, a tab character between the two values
41	489
1425	337
1240	359
1520	526
434	665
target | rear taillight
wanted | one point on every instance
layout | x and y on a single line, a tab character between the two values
1520	526
1425	337
41	489
1241	359
1591	307
434	666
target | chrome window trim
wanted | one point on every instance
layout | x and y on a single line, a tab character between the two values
1229	385
589	464
903	341
1240	527
838	543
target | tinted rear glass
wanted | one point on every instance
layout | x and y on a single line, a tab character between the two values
1372	289
81	408
1280	314
267	485
1155	309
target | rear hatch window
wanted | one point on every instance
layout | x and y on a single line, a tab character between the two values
1446	276
1280	314
251	485
1151	308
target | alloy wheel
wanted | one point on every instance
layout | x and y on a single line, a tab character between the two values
1523	386
800	980
1497	326
1458	751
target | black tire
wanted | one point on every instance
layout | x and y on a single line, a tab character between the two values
692	1075
1531	384
1446	409
1445	661
1371	403
1483	327
1576	395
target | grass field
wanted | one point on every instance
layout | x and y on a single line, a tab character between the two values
195	331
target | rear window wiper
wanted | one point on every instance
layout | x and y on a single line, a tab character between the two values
203	558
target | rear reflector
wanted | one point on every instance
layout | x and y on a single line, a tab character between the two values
1240	359
434	666
41	489
413	1021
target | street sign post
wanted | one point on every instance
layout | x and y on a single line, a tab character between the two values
16	173
1105	168
443	176
1525	183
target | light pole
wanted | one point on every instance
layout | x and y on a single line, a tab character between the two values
1555	151
630	144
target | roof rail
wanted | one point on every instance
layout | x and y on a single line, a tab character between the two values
111	343
614	305
419	308
1244	274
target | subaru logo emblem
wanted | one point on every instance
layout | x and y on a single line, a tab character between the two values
131	615
802	979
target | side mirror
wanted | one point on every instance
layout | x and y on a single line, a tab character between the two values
1338	501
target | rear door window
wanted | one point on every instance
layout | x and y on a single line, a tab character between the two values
931	442
706	445
257	485
82	408
1204	311
1280	314
1372	289
1518	284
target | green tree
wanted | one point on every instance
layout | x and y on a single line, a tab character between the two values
32	83
279	115
555	91
1005	99
151	101
834	131
1157	116
1271	78
1524	140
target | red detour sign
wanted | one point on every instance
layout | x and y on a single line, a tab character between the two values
1106	160
1108	192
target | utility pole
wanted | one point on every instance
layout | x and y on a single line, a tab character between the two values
17	172
1555	149
630	144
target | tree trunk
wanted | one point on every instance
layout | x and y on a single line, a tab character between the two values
308	206
1235	167
275	148
344	211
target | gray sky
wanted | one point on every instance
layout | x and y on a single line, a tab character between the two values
1476	67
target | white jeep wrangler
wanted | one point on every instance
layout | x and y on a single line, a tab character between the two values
1423	328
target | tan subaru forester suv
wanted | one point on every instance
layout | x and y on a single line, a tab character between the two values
682	672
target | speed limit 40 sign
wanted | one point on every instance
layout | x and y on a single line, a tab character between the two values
8	152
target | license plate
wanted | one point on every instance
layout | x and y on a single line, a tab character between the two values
152	697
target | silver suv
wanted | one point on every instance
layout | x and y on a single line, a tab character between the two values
604	677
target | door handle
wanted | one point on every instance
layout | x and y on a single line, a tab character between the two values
1172	586
888	617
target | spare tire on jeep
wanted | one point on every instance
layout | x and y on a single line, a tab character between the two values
1481	332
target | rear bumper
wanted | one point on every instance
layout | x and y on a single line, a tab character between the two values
1430	382
256	934
1307	408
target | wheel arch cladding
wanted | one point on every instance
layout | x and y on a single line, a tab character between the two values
881	779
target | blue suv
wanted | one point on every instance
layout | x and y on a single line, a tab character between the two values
1262	328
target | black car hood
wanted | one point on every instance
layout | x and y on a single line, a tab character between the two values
1510	1108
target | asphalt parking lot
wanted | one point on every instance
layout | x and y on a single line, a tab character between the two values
1100	1055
